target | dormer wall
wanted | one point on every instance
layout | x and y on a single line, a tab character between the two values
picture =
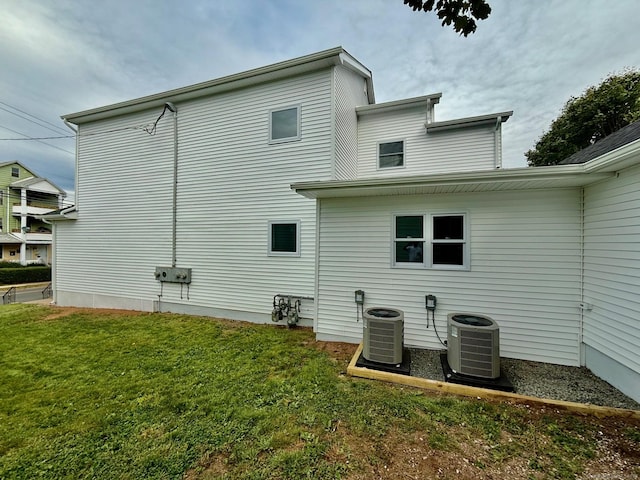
454	148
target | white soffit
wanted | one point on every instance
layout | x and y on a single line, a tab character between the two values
500	180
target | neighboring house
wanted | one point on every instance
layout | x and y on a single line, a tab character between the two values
289	181
23	198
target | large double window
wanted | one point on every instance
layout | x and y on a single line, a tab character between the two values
431	241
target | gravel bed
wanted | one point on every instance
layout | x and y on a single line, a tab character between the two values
542	380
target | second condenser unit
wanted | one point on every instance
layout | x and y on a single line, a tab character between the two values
473	345
383	335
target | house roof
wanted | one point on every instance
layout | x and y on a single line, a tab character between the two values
35	182
288	68
8	238
555	176
15	162
609	143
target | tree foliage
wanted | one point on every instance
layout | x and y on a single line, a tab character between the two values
598	112
461	13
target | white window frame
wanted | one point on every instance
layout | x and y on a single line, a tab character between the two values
270	252
297	137
429	241
464	241
395	239
15	170
404	154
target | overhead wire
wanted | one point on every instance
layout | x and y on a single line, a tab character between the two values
37	140
60	129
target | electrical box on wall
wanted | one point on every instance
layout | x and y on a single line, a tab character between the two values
173	274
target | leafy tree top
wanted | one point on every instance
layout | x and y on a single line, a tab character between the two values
598	112
461	13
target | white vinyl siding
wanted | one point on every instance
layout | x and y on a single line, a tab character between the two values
459	150
612	267
231	183
525	269
349	93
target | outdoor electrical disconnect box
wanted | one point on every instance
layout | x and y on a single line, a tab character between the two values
173	274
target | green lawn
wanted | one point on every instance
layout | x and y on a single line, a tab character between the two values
100	394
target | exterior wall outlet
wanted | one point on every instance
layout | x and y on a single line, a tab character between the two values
173	274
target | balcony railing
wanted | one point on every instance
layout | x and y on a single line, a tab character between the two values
30	210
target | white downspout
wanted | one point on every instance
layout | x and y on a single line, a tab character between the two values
583	306
76	161
497	144
174	220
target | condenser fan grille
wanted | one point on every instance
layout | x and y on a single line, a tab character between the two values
476	350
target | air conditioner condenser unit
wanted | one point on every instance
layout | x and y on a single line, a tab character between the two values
383	335
473	345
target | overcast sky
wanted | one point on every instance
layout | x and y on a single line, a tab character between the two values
64	56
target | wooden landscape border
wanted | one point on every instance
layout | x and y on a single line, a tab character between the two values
485	393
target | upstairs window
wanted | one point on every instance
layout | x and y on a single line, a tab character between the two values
437	241
15	172
391	154
284	238
284	125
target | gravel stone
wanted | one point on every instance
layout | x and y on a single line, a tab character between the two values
542	380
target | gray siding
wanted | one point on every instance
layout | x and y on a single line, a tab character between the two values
525	269
612	268
231	182
349	93
460	150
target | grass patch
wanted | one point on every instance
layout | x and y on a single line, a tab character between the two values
129	396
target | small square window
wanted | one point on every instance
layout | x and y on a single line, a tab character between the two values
284	238
15	172
284	125
391	154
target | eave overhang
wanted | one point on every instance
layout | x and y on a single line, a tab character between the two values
530	178
276	71
403	104
69	213
482	120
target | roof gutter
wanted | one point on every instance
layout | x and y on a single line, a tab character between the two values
490	119
319	189
622	157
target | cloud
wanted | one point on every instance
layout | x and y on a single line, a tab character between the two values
71	55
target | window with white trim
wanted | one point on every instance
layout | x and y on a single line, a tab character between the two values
284	238
15	172
437	241
284	125
391	154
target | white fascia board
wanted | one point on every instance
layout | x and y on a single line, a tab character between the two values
405	103
351	63
489	119
618	159
276	71
516	178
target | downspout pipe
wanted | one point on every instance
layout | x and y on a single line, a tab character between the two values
497	144
174	220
